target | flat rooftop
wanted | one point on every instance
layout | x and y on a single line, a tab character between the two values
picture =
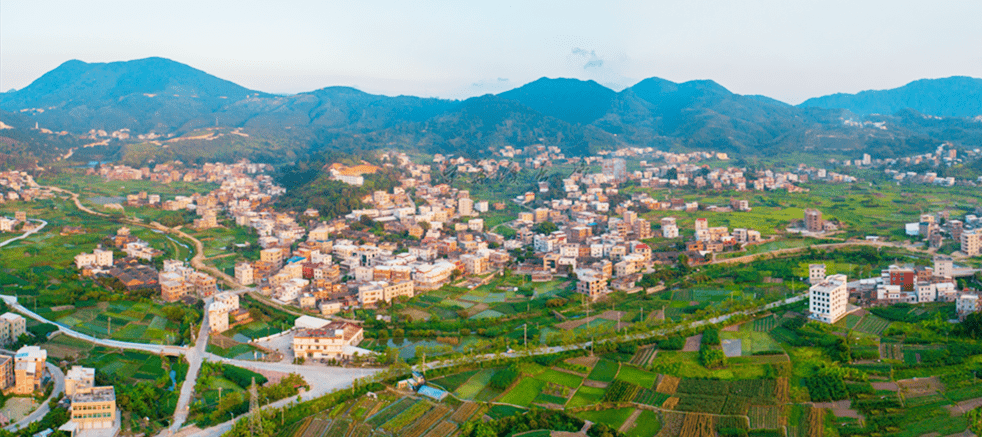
95	394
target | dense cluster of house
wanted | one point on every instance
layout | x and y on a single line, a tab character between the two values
944	155
177	172
829	296
224	312
934	228
18	185
17	222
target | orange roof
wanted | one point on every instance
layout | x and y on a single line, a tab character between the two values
353	171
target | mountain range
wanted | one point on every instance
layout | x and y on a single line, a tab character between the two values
166	97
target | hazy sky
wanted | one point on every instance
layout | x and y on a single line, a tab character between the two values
788	50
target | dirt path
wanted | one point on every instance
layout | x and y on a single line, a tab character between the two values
792	250
629	423
964	406
199	254
77	203
692	343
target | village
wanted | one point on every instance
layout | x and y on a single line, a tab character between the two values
423	236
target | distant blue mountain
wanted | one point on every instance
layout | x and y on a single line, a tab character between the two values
144	94
578	116
570	100
956	96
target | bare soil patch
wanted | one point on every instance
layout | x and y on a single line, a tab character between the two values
584	361
964	406
892	386
692	343
919	386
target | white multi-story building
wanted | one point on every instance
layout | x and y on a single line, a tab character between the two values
828	299
943	266
12	326
465	206
244	273
218	316
669	229
966	304
971	242
816	273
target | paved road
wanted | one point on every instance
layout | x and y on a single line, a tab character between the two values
322	380
28	233
194	356
75	199
152	348
877	244
649	334
199	254
43	409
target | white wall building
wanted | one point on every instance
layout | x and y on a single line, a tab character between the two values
828	299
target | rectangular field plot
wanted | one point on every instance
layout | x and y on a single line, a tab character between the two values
586	396
604	371
647	424
872	325
612	418
637	376
701	403
389	412
475	384
765	417
561	378
523	393
650	397
765	324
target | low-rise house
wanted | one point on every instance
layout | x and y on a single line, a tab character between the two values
93	408
12	326
79	378
335	340
29	369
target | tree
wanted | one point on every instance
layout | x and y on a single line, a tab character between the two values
545	228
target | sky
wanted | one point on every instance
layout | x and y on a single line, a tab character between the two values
787	50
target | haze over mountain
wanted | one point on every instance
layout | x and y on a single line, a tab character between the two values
170	98
956	96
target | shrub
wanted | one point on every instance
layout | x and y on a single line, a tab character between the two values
674	343
503	378
242	377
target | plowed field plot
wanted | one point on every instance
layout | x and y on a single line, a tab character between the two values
765	324
464	412
872	325
768	417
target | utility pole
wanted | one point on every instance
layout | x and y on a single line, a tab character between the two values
110	329
256	415
526	327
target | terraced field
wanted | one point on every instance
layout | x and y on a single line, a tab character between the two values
872	325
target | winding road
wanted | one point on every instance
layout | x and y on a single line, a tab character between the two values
28	233
59	377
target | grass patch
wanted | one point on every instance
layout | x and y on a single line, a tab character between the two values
604	371
523	393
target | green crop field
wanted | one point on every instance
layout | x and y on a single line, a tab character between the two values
604	371
872	325
647	424
474	384
637	376
523	393
613	418
586	396
561	378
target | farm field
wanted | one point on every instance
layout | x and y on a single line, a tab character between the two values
523	393
142	322
871	324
